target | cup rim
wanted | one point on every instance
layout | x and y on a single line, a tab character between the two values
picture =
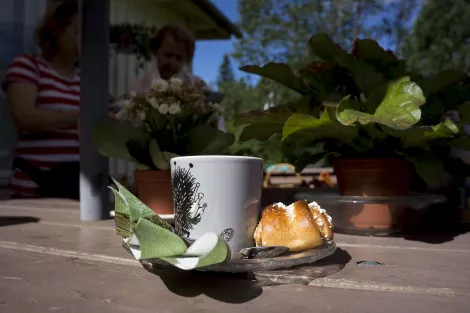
216	157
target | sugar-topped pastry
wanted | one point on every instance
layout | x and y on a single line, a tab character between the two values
299	226
323	220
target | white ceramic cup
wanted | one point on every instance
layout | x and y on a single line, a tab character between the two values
219	194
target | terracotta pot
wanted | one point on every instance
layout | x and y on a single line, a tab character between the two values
154	189
373	177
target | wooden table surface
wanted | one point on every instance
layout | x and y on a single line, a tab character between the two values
52	262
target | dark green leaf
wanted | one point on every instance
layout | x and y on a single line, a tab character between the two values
464	113
365	76
139	150
462	142
442	80
205	139
158	159
427	165
260	131
423	135
275	115
277	72
110	139
324	47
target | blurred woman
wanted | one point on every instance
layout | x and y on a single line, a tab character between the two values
43	93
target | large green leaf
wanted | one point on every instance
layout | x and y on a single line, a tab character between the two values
277	72
324	47
207	250
205	139
313	128
400	108
110	139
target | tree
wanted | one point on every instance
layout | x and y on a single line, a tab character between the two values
226	74
397	23
279	30
441	37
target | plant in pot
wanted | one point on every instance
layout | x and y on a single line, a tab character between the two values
359	110
171	119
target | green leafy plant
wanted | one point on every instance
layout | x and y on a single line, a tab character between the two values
362	104
170	120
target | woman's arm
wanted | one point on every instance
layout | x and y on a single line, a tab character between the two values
21	87
21	98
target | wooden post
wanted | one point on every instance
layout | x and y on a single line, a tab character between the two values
94	194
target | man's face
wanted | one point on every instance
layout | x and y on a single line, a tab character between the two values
170	57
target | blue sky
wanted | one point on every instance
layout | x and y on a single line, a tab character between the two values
209	54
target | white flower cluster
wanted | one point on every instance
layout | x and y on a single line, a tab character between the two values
156	97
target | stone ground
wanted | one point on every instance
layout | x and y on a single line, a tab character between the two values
52	262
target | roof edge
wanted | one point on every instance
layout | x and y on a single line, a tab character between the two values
220	19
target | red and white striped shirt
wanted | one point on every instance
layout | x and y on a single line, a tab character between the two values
56	92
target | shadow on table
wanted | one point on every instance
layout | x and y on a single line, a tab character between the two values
224	287
17	220
244	287
437	225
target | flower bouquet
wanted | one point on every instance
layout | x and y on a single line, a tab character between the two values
171	119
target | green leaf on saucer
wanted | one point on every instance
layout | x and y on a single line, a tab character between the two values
136	208
156	241
207	250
